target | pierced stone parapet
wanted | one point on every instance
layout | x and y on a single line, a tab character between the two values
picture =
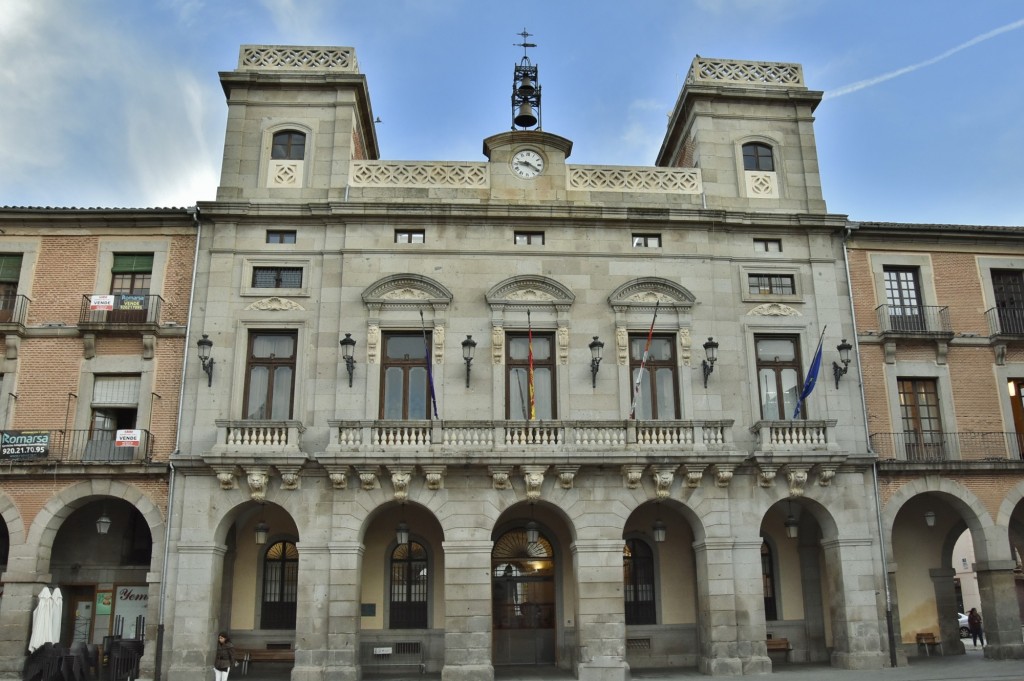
287	58
708	70
418	174
629	179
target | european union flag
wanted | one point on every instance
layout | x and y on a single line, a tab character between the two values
812	378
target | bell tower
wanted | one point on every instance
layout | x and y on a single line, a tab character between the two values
525	90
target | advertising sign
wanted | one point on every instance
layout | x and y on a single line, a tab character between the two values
132	303
101	302
24	444
128	438
130	604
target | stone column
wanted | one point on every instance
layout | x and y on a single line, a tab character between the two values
716	609
312	603
342	635
751	631
467	610
814	608
856	642
897	630
199	574
945	603
1001	618
20	591
601	611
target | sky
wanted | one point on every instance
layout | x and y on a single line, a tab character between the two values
117	103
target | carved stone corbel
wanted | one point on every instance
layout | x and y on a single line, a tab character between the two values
1000	350
941	351
566	475
226	477
664	476
825	475
88	345
12	343
258	478
797	479
148	345
890	352
501	477
368	478
400	478
632	475
766	473
435	476
533	476
694	473
339	479
723	474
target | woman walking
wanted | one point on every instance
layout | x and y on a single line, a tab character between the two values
225	658
974	624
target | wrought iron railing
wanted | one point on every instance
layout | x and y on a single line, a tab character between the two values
74	446
13	309
914	319
113	309
942	446
1005	321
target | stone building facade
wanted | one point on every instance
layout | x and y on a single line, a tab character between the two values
366	493
940	329
93	314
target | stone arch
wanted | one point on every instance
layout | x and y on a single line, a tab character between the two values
44	527
12	518
1013	497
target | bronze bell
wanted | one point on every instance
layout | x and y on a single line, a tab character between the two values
526	86
525	118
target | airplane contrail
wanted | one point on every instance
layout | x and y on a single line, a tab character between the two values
860	85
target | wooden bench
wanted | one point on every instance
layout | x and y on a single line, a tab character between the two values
927	641
779	645
263	655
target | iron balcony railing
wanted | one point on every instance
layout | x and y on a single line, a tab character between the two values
914	319
75	446
119	309
940	446
13	309
1005	321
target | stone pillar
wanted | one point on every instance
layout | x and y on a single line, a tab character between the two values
344	594
1000	616
945	603
751	631
814	609
199	575
897	630
312	603
20	592
601	611
467	611
856	637
716	609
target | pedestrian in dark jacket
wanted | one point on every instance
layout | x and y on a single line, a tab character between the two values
974	624
225	658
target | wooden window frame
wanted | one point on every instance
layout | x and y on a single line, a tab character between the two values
271	363
528	238
405	365
777	369
646	240
651	368
754	156
409	236
523	364
281	236
288	145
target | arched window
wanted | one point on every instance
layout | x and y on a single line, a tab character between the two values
771	611
280	586
638	582
758	156
408	602
289	145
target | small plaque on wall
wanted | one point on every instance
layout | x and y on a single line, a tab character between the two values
368	609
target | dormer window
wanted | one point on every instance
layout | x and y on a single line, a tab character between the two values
288	145
758	156
287	159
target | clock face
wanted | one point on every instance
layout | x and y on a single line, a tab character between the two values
527	163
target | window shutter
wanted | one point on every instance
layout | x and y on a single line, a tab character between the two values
10	267
132	262
116	390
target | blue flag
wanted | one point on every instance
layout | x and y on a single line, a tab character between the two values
812	378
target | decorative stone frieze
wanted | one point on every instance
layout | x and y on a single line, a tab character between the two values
566	475
274	304
435	477
774	310
501	477
257	478
664	476
533	476
632	475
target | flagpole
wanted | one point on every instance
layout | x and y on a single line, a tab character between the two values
430	375
812	375
643	362
529	375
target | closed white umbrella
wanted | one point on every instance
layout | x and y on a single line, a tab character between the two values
56	610
42	620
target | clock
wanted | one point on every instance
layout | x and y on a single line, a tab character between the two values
527	164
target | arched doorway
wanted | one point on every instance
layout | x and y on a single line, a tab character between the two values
523	598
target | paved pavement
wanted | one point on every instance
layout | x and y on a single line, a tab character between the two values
969	667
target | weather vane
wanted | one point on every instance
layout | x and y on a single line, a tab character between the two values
525	45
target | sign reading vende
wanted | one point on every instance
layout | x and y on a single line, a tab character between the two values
101	302
128	438
24	444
